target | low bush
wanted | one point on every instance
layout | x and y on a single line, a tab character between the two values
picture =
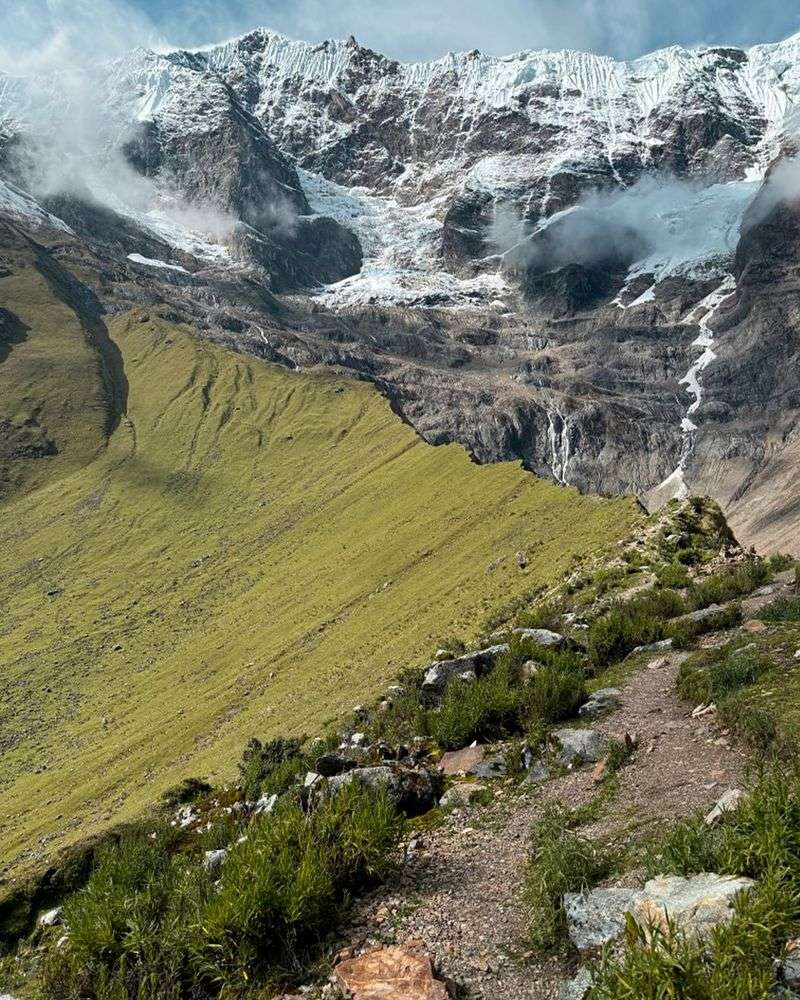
639	622
561	861
729	584
754	724
674	575
556	692
151	925
486	709
785	609
545	614
713	675
270	767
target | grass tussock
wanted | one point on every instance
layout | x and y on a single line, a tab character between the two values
785	609
152	923
561	861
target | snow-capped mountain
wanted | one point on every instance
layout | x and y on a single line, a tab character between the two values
536	255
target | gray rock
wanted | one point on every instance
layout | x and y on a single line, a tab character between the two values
790	970
701	615
469	666
597	917
330	764
653	647
460	796
490	767
578	745
577	988
542	636
214	860
311	779
413	790
697	903
536	775
601	702
265	804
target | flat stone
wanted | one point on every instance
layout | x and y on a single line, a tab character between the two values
460	796
597	917
696	904
578	745
726	803
391	973
542	637
50	918
460	761
653	647
754	626
492	767
701	615
600	703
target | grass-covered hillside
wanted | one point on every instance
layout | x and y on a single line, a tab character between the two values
220	549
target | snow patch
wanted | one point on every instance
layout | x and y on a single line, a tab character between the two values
137	258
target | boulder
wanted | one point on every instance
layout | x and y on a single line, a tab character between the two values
461	761
726	803
578	746
595	918
701	615
542	637
601	702
789	968
469	666
696	903
412	790
391	973
461	796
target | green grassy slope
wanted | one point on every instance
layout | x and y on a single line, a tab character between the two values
242	522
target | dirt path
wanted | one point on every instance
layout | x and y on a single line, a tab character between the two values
460	891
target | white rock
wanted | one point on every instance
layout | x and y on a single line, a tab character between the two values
696	903
726	803
214	860
265	804
50	918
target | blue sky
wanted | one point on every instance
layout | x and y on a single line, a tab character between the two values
404	29
415	29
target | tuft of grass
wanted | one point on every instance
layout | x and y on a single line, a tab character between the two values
487	709
714	675
785	609
636	623
271	767
730	583
561	861
150	924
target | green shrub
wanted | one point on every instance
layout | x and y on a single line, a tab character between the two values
754	724
150	925
729	584
556	692
639	622
674	575
714	675
785	609
780	562
561	861
484	710
545	614
270	767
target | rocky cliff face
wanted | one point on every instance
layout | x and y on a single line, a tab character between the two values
583	264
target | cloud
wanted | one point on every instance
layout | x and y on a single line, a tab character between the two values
781	187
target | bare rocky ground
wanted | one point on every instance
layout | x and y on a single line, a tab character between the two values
459	890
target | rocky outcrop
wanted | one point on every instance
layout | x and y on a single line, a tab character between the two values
391	973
